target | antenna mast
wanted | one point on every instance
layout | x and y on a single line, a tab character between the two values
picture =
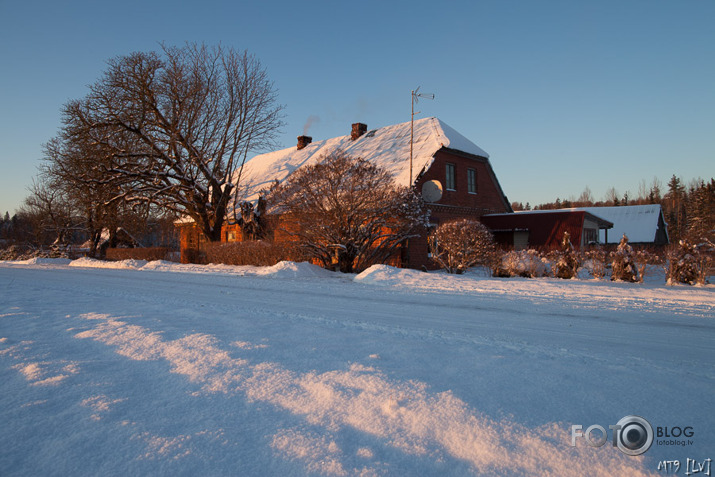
415	99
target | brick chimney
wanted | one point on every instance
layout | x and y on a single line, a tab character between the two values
358	130
304	141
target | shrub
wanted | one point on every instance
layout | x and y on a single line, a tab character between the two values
458	245
644	258
521	263
141	253
15	252
596	262
259	253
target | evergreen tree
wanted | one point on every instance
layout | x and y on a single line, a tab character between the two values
654	195
701	212
566	260
674	208
688	263
4	224
623	265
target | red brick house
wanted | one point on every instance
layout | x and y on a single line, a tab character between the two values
440	155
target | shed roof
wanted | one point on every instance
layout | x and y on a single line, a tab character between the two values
603	222
638	222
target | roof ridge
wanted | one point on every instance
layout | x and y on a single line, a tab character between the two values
437	126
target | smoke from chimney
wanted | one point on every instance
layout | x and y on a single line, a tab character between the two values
312	119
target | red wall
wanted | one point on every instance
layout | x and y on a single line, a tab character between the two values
459	203
488	196
546	229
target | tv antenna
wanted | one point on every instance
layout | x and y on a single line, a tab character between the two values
416	95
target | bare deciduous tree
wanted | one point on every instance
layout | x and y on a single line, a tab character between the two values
173	129
347	212
612	197
50	211
586	198
77	168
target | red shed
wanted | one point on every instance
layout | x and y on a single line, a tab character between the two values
545	228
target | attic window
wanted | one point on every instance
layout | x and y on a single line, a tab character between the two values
472	181
450	182
371	133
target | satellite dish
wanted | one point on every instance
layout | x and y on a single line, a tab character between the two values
432	191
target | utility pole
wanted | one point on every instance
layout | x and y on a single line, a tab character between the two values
415	99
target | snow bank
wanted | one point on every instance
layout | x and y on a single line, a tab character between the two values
293	270
87	262
649	297
164	266
43	261
385	275
284	270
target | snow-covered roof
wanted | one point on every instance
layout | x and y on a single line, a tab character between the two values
388	147
602	223
638	222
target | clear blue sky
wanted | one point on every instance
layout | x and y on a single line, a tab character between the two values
562	94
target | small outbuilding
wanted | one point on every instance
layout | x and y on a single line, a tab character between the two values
642	224
545	228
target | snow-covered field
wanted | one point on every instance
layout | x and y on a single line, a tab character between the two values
136	368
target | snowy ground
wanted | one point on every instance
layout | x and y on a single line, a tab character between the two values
165	369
